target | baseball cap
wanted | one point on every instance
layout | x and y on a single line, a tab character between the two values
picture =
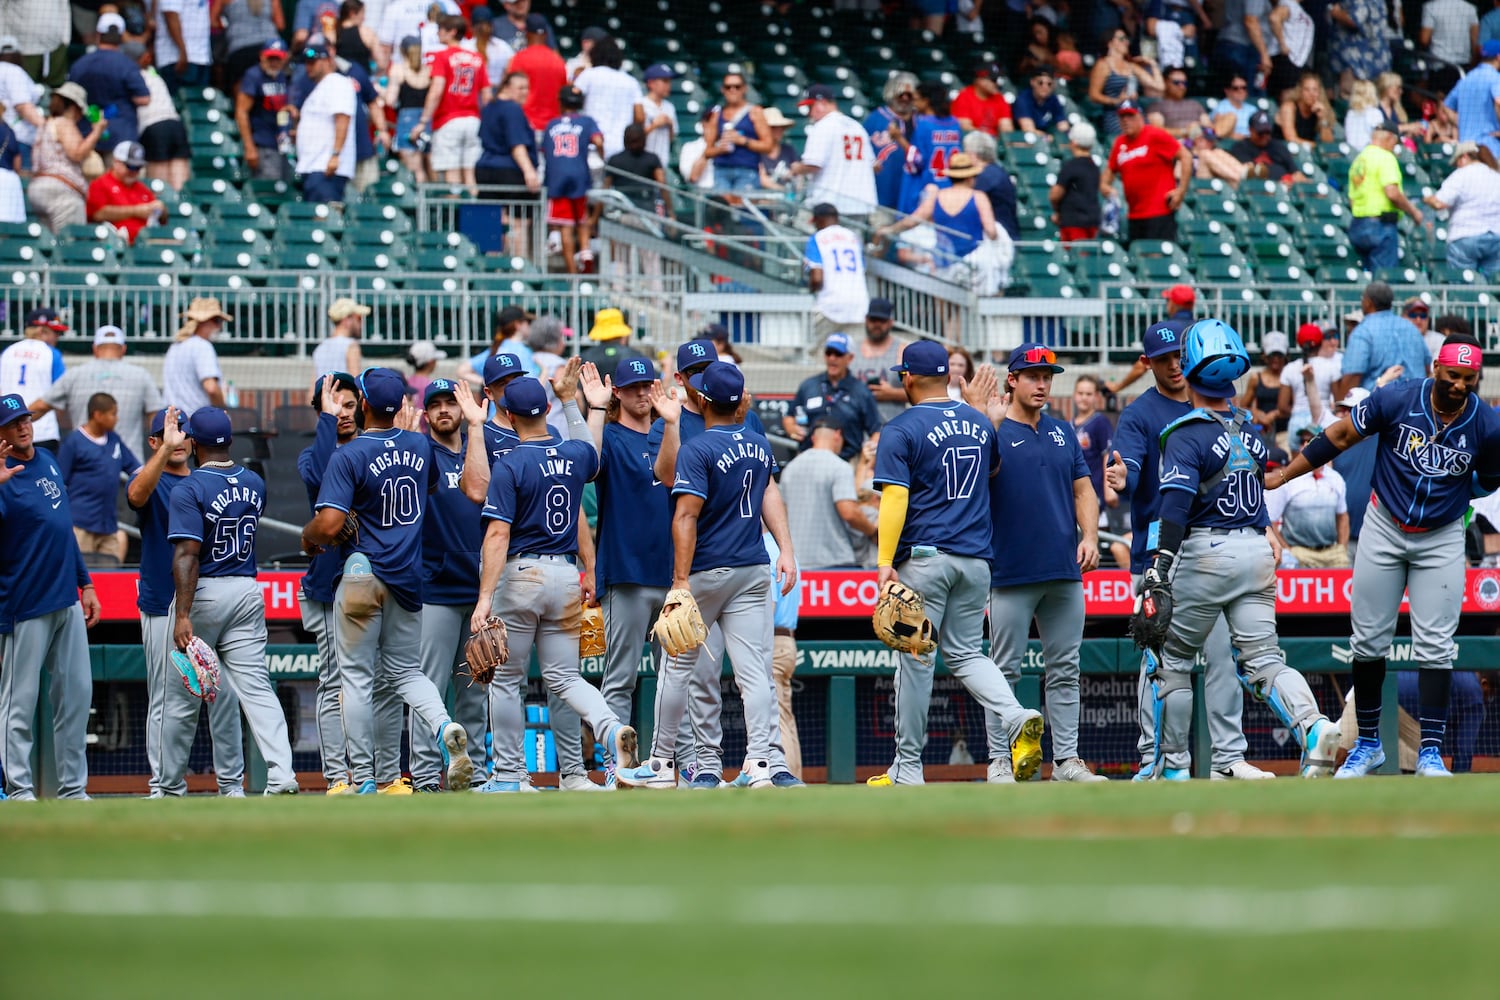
570	96
47	318
1161	338
499	366
1273	342
1180	295
824	210
210	425
481	15
159	421
838	342
988	71
1083	135
422	353
536	23
12	408
315	50
1128	107
923	357
1465	148
1276	457
817	92
719	383
132	154
1312	430
1356	396
109	22
829	420
715	332
439	387
696	353
595	34
1260	122
1490	49
383	389
341	380
1033	356
525	396
344	308
880	308
1309	334
109	335
275	48
1388	125
631	371
660	71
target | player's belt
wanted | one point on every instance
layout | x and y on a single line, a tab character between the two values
1400	525
1223	531
566	557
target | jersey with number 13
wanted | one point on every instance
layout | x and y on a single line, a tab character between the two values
537	489
221	509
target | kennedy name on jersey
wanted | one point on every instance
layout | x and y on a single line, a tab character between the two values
945	429
742	449
396	456
232	494
1430	458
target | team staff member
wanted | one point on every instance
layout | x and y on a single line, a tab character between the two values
150	496
1037	573
1375	194
1134	471
47	601
837	392
1436	443
1154	169
217	598
932	467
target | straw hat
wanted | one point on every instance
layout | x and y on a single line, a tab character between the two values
609	324
962	165
775	119
197	312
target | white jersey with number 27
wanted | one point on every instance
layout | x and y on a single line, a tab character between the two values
839	147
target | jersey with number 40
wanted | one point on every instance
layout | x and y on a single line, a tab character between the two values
537	489
221	509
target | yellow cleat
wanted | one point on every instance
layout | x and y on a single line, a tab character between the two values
880	781
341	788
1026	751
401	786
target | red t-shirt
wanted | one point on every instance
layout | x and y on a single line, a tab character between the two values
106	191
466	75
1145	167
985	112
547	73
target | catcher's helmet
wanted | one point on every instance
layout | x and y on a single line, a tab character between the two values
1213	356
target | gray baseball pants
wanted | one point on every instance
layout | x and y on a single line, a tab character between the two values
1058	607
317	618
166	696
444	630
58	643
1429	566
629	612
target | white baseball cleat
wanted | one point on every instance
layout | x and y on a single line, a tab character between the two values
1322	749
1074	769
578	783
454	743
759	772
1240	770
658	772
1000	771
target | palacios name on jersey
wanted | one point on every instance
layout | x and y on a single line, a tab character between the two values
741	449
1430	458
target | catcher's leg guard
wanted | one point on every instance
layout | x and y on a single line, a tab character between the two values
1172	710
1265	675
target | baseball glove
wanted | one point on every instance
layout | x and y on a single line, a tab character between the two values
900	620
486	651
591	632
350	531
680	627
199	667
1153	611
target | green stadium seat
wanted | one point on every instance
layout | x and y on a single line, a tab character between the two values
440	260
1163	270
1224	270
93	254
14	251
298	257
270	193
242	214
227	257
378	214
156	257
1401	275
368	258
210	191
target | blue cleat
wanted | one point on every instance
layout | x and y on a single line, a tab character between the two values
1430	764
786	779
368	788
497	787
706	779
1175	774
741	780
1322	749
658	772
1366	756
1144	774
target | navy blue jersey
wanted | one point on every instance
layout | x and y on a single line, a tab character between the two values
729	467
1031	503
1197	450
91	472
537	489
41	569
323	569
1138	440
155	589
689	426
451	534
565	150
635	514
221	509
943	452
498	440
1423	471
384	477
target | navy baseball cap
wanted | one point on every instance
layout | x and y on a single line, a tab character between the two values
275	49
1260	122
1161	338
439	387
719	383
1033	356
315	50
481	15
499	366
47	318
817	92
341	380
1128	107
159	421
383	389
12	408
923	357
1490	49
630	371
536	23
210	425
839	342
880	309
660	71
696	353
526	397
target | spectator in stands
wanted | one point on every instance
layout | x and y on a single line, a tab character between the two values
423	357
543	67
839	157
776	163
960	371
406	90
1294	31
117	196
132	387
1212	160
1447	326
496	51
1262	395
1074	196
1307	383
356	41
340	352
57	193
190	375
1092	428
258	111
1038	108
19	93
935	138
963	220
511	327
1040	53
716	334
611	340
32	365
1178	113
1231	115
1383	346
1312	515
566	143
886	125
548	340
12	197
835	265
326	150
1119	77
1363	115
399	20
1176	24
1154	170
1450	34
460	87
821	500
736	137
639	175
522	24
877	355
577	64
183	54
248	26
692	166
1307	115
981	106
91	460
611	96
1390	87
1417	311
1359	48
833	393
994	182
113	81
659	111
1489	25
165	140
1374	196
1471	197
1475	98
1265	156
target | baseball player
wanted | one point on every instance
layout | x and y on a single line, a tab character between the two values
529	579
451	533
721	488
211	523
336	398
1132	470
47	602
383	478
1436	448
1040	500
150	496
933	466
1209	556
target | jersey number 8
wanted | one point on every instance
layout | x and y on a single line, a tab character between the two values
559	512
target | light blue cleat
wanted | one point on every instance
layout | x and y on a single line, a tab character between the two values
1322	749
368	788
1176	774
1366	756
497	787
1430	764
1144	774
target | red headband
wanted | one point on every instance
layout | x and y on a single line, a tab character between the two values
1460	356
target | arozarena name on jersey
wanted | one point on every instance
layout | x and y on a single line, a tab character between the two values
940	432
229	495
1430	458
397	456
742	449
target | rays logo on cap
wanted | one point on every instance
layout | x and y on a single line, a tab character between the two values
697	351
639	367
11	403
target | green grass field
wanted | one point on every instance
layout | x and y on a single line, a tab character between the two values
1305	889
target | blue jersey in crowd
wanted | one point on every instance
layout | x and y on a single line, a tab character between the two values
635	515
268	98
503	127
887	156
384	477
1031	503
92	474
537	489
112	80
324	568
934	140
221	509
1138	440
565	150
729	467
155	588
943	452
451	534
41	569
1196	451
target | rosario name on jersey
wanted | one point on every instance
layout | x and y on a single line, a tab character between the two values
537	489
1224	473
728	467
221	509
